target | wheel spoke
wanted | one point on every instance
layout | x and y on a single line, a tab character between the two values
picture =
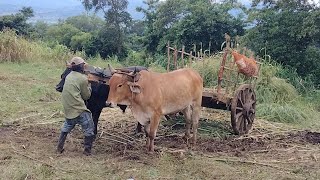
244	124
252	111
238	115
243	97
250	95
241	124
239	108
238	120
240	98
250	118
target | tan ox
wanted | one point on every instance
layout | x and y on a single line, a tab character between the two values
152	95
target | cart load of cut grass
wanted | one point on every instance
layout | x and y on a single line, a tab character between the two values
277	90
208	68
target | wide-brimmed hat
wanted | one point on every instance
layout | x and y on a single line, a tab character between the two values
77	60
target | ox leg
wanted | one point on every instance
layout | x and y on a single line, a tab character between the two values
154	123
138	128
187	116
147	131
95	117
195	122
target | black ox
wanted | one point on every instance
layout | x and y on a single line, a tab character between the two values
100	91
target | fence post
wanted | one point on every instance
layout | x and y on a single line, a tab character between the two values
168	65
182	56
201	54
175	56
209	48
190	59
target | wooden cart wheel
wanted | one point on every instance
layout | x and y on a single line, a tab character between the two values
243	108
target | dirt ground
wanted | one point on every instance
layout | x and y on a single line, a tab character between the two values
281	149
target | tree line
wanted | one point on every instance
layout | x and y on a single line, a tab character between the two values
289	31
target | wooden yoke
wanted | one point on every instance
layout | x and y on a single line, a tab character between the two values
94	78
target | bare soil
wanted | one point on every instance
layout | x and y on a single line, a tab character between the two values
289	150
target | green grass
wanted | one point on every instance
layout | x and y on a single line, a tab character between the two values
29	91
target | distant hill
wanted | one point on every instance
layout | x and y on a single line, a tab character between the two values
52	11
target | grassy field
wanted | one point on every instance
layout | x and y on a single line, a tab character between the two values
31	118
284	143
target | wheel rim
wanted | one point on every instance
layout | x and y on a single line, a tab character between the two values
243	107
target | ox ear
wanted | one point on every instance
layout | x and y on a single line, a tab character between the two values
135	88
112	70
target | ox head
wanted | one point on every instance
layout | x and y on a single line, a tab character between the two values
123	86
59	86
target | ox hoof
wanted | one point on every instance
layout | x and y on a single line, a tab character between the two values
186	138
150	152
59	151
193	141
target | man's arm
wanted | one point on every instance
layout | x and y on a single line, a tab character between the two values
85	89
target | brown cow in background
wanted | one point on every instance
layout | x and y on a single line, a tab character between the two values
152	95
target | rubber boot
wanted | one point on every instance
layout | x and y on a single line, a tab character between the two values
61	141
88	140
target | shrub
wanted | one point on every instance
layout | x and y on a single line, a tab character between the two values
14	48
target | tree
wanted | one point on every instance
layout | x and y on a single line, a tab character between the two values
18	21
206	22
86	23
188	22
39	29
26	12
80	41
290	32
116	16
135	34
105	43
62	33
152	37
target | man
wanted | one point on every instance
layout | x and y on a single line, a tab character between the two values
75	91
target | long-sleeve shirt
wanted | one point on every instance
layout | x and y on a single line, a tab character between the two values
75	91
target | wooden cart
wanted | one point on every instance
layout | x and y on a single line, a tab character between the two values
230	93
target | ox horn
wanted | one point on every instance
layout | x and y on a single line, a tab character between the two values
132	73
112	70
68	64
